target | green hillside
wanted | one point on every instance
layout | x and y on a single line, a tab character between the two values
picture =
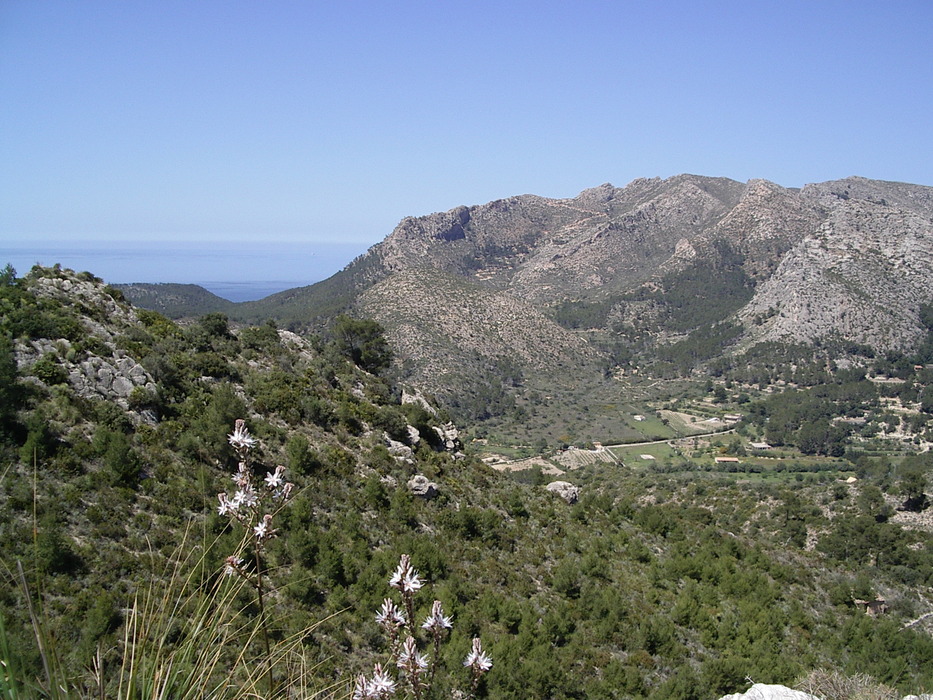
673	577
175	300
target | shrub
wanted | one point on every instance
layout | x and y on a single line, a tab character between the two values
833	685
48	370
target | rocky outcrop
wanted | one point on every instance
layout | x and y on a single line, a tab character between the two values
565	490
399	450
421	486
102	314
114	378
861	274
761	691
449	436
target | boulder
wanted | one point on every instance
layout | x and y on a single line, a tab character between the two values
399	450
420	486
449	436
762	691
565	490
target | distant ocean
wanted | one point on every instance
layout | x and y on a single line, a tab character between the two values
236	271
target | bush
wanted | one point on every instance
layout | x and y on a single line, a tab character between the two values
362	342
833	685
49	370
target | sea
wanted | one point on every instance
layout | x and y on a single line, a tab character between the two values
237	271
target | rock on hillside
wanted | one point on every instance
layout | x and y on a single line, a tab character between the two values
762	691
100	369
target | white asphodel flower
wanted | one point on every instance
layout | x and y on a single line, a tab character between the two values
389	615
411	659
382	685
275	479
437	620
477	659
405	577
225	505
264	529
244	497
240	439
232	566
282	494
242	477
361	688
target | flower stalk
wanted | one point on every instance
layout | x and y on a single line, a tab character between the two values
416	674
254	507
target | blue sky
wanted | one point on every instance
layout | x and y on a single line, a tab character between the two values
330	121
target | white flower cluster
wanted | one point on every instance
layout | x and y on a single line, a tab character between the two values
381	685
250	504
437	620
477	659
389	616
240	439
405	577
416	671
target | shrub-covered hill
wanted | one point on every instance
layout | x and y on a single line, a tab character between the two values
114	448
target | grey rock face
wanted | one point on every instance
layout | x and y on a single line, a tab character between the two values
449	434
399	450
113	378
565	490
420	486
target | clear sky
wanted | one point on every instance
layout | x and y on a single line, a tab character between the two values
204	120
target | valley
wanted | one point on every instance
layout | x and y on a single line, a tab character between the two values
745	458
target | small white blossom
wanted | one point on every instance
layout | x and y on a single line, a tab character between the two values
382	684
389	616
477	659
244	497
437	621
264	529
242	477
411	659
240	439
405	577
225	505
361	688
233	565
283	493
274	479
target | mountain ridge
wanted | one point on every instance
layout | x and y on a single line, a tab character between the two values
633	270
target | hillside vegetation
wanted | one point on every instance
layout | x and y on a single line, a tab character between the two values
670	578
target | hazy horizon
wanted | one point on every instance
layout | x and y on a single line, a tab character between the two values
240	271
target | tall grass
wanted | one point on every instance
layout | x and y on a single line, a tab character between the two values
189	633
